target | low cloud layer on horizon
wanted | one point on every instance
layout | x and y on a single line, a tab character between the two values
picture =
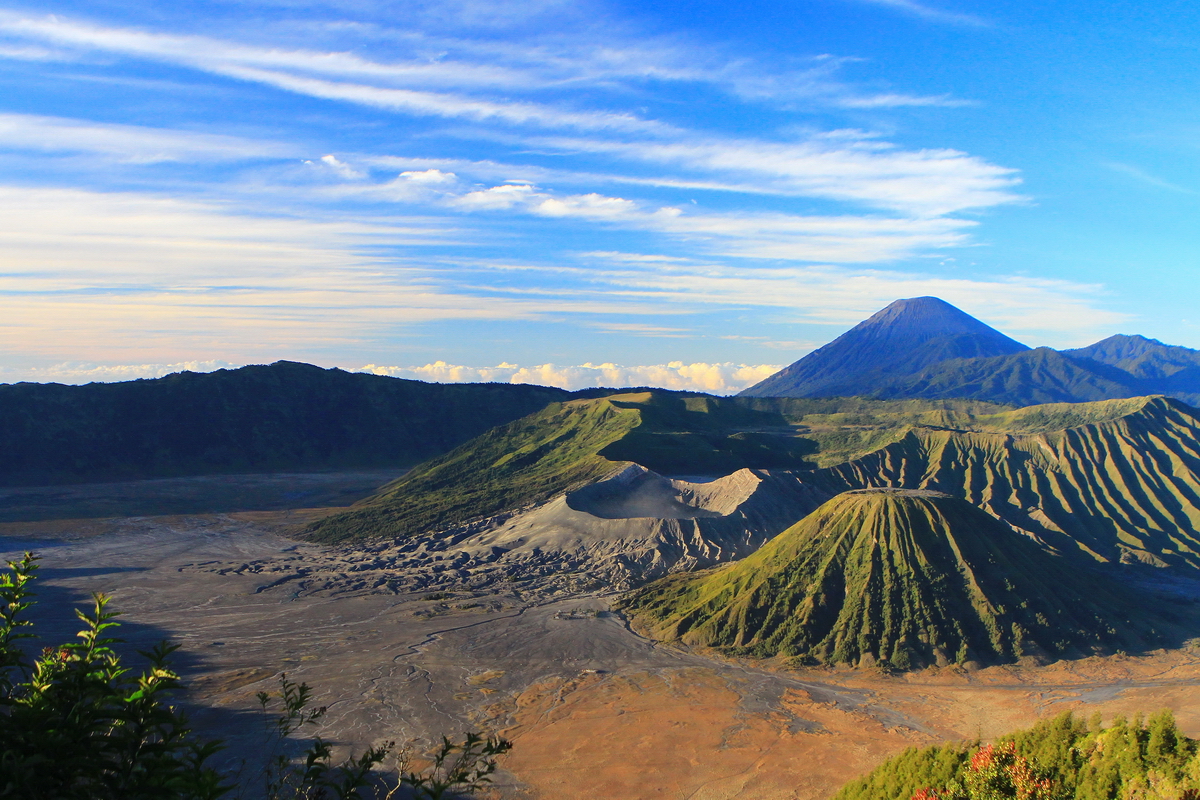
726	378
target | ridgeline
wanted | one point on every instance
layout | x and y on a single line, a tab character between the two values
1115	480
1118	480
286	417
568	445
523	462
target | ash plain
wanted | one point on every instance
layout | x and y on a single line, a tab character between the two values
408	642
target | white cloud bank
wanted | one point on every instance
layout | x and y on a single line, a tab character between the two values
718	378
75	372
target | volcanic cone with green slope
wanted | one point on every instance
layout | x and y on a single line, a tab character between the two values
1118	480
906	577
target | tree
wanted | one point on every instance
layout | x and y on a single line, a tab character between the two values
997	772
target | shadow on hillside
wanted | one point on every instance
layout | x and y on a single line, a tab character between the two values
243	730
204	494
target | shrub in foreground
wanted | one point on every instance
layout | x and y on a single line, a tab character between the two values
1064	758
76	724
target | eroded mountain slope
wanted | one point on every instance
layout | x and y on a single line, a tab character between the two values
908	577
1118	479
1115	480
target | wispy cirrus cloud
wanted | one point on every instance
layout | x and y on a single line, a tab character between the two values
446	77
931	13
848	167
106	277
389	160
325	75
843	166
1146	178
447	105
88	273
132	143
1047	311
764	235
892	100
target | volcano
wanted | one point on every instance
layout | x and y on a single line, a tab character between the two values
907	578
904	338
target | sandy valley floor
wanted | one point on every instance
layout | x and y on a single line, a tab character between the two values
594	711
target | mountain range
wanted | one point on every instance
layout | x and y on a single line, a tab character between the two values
941	514
1110	481
924	347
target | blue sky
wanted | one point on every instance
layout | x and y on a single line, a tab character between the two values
688	193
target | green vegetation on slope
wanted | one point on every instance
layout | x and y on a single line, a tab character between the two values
1117	479
1035	376
702	435
838	429
282	417
1069	759
904	577
568	444
524	462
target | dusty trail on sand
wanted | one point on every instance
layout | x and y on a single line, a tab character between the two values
593	709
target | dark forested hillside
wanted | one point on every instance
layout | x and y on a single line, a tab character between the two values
282	417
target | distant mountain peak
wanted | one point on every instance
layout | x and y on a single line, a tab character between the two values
928	311
908	335
1174	369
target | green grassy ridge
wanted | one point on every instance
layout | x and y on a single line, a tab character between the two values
563	447
1123	486
700	435
523	462
1148	759
568	444
713	435
902	577
691	434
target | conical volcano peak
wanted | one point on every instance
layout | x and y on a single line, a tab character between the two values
899	576
925	316
905	337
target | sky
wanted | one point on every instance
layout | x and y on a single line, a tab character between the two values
592	192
